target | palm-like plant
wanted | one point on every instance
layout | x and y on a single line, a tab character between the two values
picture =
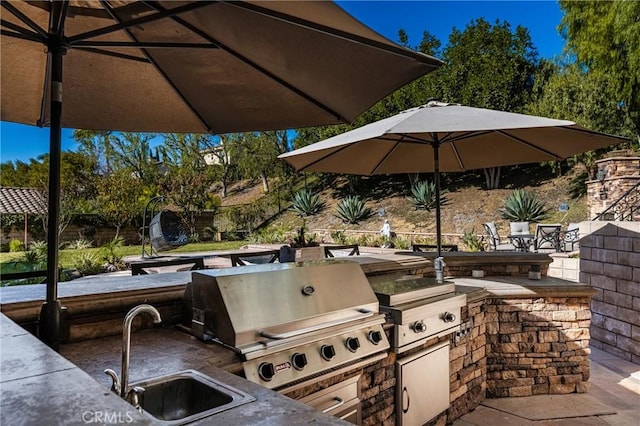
305	203
523	206
423	195
352	210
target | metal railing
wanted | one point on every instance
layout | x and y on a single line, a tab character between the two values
625	208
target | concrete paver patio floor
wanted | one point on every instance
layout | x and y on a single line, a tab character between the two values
613	398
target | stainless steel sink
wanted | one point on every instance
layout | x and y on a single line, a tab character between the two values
187	396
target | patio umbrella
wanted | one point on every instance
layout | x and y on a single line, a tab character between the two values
440	137
189	66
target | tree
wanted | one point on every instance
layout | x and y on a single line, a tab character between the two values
488	66
188	178
258	152
225	159
605	39
96	144
119	198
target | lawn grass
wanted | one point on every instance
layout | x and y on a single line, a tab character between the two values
67	257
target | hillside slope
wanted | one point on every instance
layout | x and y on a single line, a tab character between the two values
469	204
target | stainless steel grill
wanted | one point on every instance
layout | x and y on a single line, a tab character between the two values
418	307
289	321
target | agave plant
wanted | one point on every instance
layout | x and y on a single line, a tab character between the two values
472	241
423	195
523	206
305	203
352	210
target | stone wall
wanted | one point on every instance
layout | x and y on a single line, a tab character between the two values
468	362
610	263
618	175
537	346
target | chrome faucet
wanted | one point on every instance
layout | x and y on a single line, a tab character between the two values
121	385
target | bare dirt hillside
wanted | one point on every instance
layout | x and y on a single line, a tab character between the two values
468	207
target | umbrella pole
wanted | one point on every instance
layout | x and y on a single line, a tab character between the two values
439	261
49	323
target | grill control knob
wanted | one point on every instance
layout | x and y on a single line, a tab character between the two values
352	343
419	327
266	371
448	317
299	361
375	337
327	352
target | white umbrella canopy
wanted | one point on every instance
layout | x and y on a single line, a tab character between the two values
447	137
189	66
467	138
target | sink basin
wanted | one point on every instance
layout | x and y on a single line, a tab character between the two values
187	396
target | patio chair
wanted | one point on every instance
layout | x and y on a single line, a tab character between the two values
495	243
547	237
520	235
570	237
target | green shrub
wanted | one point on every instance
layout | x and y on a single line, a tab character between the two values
401	243
194	237
87	263
339	237
79	244
111	253
523	206
15	245
305	203
472	242
352	210
423	195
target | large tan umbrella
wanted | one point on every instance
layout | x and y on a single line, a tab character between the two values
190	66
450	138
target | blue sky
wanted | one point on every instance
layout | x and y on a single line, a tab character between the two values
22	142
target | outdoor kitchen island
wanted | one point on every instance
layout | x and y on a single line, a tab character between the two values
516	337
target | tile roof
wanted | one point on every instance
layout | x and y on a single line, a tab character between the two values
21	200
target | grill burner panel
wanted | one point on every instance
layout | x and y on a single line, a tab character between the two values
288	322
418	307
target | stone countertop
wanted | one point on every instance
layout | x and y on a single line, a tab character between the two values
162	351
39	386
522	287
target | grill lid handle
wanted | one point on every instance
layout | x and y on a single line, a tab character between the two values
364	313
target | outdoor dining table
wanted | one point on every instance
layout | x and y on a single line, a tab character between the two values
522	242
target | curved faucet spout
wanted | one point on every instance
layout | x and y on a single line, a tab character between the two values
126	342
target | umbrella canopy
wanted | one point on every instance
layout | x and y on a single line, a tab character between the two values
189	66
447	137
198	66
467	138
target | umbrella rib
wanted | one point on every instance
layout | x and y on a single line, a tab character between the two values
21	35
530	145
114	54
59	15
313	163
157	67
138	21
21	16
457	155
591	132
387	155
433	62
144	45
257	67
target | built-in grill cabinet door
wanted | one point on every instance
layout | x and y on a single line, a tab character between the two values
423	385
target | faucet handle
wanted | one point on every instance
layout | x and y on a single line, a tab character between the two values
133	397
115	381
